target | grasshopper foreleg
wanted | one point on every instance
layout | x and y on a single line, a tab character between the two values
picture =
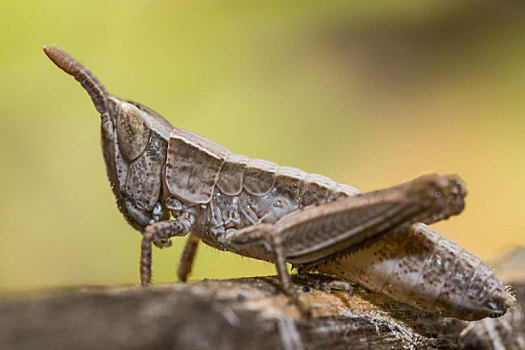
161	232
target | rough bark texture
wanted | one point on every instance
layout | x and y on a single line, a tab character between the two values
248	313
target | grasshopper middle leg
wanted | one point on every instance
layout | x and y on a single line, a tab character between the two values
187	258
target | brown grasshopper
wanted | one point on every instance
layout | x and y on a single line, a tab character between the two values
251	207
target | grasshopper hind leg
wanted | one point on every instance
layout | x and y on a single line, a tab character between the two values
285	280
264	234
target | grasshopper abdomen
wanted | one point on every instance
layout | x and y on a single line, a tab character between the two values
421	268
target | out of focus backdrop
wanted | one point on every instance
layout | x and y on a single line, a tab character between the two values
369	93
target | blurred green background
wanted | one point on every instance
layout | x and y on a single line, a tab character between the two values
368	93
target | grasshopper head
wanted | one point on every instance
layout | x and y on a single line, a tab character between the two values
134	143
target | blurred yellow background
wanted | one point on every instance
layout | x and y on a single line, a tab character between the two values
368	93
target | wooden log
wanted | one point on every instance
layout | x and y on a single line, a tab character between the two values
246	313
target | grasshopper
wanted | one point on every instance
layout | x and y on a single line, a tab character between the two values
251	207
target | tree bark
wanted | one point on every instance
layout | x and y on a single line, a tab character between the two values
246	313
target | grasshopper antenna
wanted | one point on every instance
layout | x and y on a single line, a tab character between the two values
68	64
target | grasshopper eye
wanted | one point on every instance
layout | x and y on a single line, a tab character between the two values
133	131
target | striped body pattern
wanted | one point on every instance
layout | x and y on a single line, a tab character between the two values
423	269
